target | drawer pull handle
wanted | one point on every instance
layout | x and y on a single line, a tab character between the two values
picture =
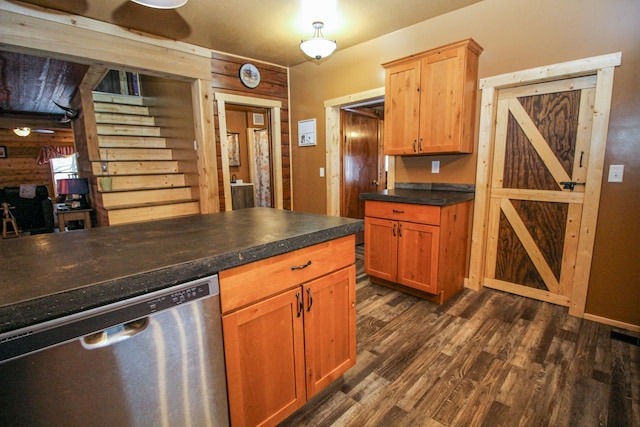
310	299
300	305
398	211
300	267
394	230
400	230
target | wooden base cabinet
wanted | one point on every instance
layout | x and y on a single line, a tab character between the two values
430	101
281	350
420	247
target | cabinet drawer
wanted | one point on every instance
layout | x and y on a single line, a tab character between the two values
425	214
252	282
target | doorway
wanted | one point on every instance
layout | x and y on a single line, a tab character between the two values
225	101
250	157
362	156
334	144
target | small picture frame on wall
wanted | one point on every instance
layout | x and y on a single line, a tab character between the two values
233	144
3	152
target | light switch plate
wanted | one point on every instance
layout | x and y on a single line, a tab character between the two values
321	172
615	173
435	166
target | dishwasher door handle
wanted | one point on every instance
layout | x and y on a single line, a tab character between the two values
114	334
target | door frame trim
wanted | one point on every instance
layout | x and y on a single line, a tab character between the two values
603	67
276	142
334	152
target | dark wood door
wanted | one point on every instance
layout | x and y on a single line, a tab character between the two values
362	160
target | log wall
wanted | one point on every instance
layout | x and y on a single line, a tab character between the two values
20	166
273	85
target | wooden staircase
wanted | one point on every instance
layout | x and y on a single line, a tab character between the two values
148	178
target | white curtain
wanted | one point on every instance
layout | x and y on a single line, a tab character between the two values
49	152
262	168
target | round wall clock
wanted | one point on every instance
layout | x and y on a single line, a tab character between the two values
249	75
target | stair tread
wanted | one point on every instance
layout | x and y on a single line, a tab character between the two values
132	190
123	99
133	141
149	204
120	125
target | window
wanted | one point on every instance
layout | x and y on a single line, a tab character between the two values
64	167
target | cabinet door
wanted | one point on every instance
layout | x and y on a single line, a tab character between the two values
441	86
380	248
402	108
330	328
418	256
264	350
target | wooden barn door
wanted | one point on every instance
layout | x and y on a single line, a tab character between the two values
540	164
543	134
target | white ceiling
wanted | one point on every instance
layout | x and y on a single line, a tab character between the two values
267	30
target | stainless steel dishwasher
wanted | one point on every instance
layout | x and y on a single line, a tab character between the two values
153	360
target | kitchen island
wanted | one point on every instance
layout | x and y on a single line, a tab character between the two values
89	316
48	276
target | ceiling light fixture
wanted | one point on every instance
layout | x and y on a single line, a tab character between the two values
318	47
22	131
162	4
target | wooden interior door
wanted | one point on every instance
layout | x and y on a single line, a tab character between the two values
362	159
541	155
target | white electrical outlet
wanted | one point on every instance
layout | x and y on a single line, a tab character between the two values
435	166
615	173
321	172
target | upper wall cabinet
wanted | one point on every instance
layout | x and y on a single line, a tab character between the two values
430	101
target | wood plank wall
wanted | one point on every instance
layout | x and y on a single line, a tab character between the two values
20	166
273	85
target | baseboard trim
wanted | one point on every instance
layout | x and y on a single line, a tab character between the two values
612	322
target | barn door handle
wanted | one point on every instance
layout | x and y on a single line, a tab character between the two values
581	157
570	185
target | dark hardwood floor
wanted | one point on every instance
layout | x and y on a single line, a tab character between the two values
484	358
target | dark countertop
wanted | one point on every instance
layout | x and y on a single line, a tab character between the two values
48	276
424	194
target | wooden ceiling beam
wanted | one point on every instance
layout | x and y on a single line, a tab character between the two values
10	120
